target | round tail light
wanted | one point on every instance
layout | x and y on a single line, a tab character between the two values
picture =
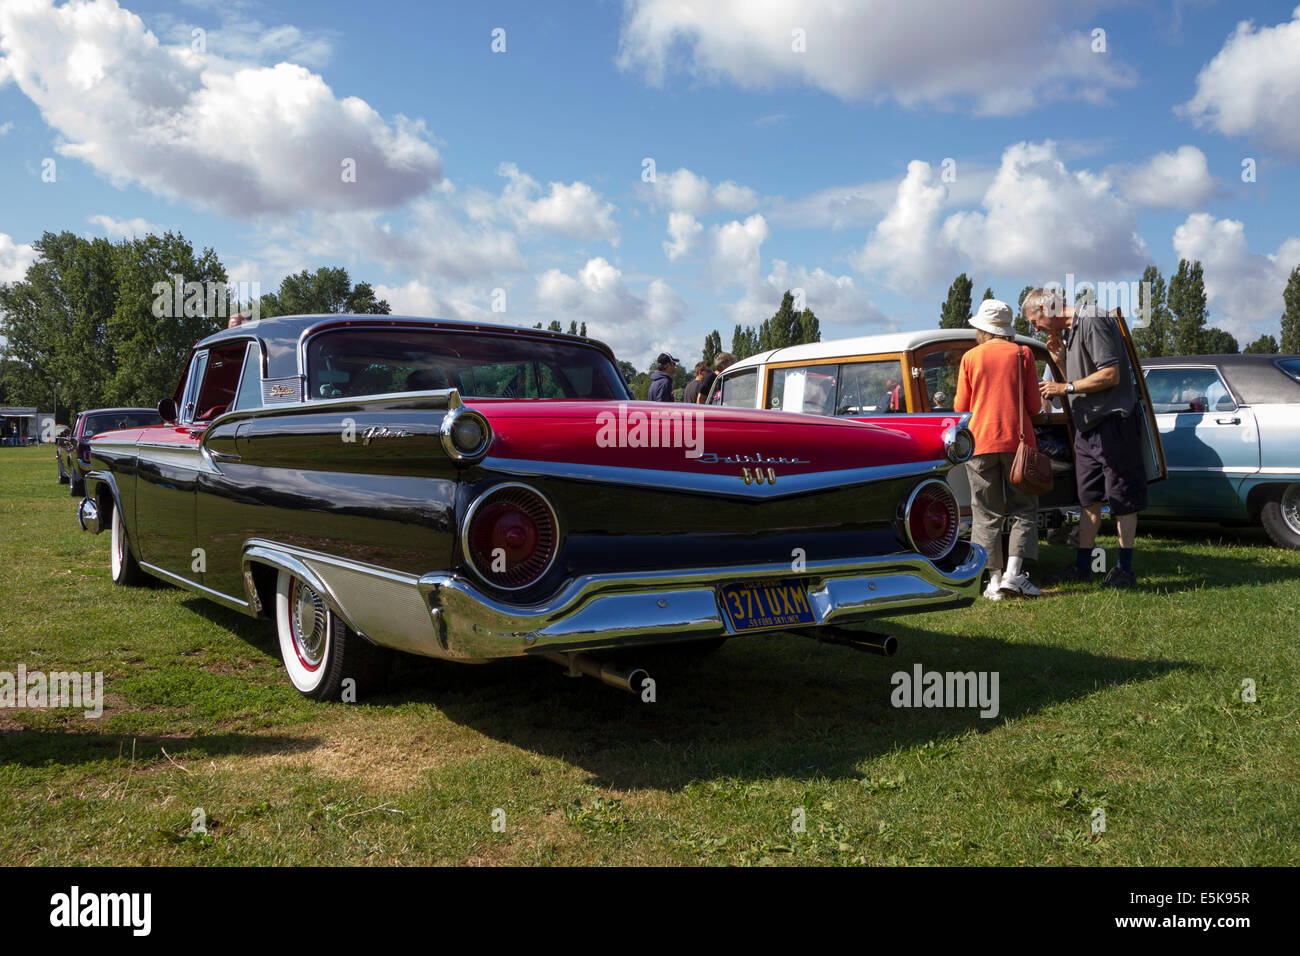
931	519
510	536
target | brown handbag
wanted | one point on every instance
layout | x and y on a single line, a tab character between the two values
1031	471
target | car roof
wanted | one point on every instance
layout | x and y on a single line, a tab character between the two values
1254	379
865	345
280	335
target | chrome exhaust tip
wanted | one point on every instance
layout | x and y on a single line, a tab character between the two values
885	645
631	680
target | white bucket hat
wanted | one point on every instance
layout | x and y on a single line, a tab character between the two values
993	317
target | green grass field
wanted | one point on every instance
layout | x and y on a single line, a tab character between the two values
1128	702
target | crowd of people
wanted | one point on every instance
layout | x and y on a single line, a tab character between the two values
696	391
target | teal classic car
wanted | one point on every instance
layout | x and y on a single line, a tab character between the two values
1230	426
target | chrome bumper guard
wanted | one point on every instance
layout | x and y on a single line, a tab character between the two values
611	610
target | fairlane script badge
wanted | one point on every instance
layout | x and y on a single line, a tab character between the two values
375	431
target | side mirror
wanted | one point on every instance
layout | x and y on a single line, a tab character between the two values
167	410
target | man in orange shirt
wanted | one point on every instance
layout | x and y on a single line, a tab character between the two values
987	388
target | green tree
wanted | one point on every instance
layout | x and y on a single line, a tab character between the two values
1218	342
1187	307
712	346
573	327
744	342
808	328
1290	343
988	293
1264	345
1020	323
56	320
155	322
1155	336
956	309
325	291
779	331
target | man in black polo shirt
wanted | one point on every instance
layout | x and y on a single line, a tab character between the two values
1101	395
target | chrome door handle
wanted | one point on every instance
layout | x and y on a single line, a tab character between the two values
1227	421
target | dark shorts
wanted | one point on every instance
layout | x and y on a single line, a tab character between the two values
1108	465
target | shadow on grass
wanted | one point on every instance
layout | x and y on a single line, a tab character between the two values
765	706
1179	563
55	748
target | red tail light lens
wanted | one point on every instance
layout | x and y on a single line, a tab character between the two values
511	536
931	519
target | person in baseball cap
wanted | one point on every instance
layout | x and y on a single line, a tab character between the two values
661	382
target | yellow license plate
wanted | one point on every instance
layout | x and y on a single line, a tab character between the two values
761	605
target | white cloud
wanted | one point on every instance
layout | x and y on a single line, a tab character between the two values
735	250
419	297
124	228
862	204
245	140
684	231
574	210
15	257
1242	288
684	191
1252	86
5	128
904	248
1180	179
1040	220
636	326
429	238
841	307
1004	55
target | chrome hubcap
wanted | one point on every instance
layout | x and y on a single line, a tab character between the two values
309	624
1291	508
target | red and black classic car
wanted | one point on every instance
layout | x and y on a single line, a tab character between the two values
472	492
72	445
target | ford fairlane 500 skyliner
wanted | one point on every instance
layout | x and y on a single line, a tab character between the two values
473	492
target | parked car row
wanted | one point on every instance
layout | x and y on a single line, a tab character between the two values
471	492
1228	425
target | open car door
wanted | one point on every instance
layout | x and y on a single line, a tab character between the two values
1153	453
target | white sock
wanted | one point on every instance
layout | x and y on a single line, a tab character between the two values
995	580
1014	564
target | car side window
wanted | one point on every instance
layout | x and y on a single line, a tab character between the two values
809	389
250	384
739	390
220	378
870	387
1290	367
1188	391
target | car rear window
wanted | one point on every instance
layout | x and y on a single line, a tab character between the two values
112	421
356	362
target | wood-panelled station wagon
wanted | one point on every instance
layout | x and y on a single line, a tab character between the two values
898	378
472	492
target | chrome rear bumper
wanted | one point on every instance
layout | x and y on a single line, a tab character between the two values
449	616
613	610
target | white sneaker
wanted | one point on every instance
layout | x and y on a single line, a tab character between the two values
992	592
1019	584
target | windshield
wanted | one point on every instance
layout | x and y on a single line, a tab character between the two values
355	362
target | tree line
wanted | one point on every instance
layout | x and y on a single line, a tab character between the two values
95	323
1176	316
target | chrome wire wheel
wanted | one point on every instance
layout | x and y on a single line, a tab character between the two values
306	627
309	624
1291	508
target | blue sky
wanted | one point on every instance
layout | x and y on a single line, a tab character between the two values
795	145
